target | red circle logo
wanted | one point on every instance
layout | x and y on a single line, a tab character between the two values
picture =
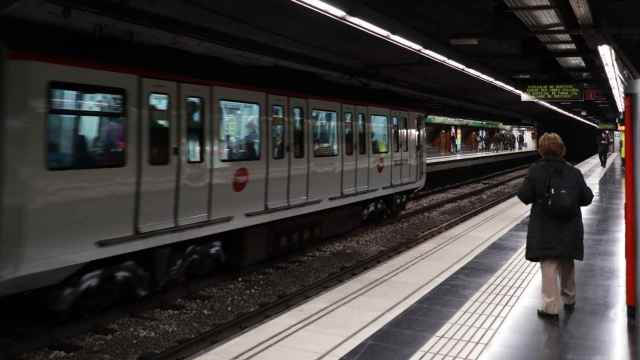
380	165
240	179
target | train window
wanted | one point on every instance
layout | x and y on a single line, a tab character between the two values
85	127
325	133
348	134
379	134
277	132
405	134
159	129
195	129
239	131
298	132
362	136
395	133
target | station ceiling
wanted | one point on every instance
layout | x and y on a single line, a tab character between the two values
519	42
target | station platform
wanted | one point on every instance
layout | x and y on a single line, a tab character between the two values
467	293
448	162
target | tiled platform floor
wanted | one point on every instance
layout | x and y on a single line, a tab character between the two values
472	155
471	279
499	320
447	162
598	328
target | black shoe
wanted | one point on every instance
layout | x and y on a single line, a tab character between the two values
546	315
570	307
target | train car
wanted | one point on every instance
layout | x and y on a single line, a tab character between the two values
110	173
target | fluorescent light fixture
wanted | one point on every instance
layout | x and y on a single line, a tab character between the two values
464	41
407	43
507	87
608	56
367	26
336	13
480	75
455	64
322	7
433	55
582	11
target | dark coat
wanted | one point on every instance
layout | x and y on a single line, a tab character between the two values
549	237
603	144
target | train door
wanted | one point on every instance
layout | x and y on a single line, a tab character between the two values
325	163
413	137
158	162
396	147
380	159
240	149
299	154
278	157
195	177
405	148
421	143
348	150
363	148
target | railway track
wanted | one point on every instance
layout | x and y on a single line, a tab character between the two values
283	302
223	332
440	189
489	182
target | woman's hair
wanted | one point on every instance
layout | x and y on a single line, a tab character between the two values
551	145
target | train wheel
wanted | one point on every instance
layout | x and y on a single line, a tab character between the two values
396	204
101	288
206	258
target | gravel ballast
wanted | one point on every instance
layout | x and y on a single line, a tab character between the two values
217	300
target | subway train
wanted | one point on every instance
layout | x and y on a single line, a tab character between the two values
112	175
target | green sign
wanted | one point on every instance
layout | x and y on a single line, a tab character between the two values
558	92
608	126
432	119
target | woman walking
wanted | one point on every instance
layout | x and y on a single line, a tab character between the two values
557	190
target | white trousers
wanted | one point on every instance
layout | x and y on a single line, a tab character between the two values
552	294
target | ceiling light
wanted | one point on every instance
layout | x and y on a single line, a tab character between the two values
406	42
323	7
433	55
608	56
582	11
364	25
367	26
522	76
455	64
480	75
571	62
464	41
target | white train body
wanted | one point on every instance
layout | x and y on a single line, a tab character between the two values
100	162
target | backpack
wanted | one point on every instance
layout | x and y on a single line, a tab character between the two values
561	197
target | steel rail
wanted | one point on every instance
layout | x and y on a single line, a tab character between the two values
225	331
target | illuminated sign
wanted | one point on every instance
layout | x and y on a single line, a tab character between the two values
557	92
608	126
461	122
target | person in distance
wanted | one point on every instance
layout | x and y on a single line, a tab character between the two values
556	191
603	148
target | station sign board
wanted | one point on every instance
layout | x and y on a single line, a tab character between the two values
445	120
608	126
554	92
